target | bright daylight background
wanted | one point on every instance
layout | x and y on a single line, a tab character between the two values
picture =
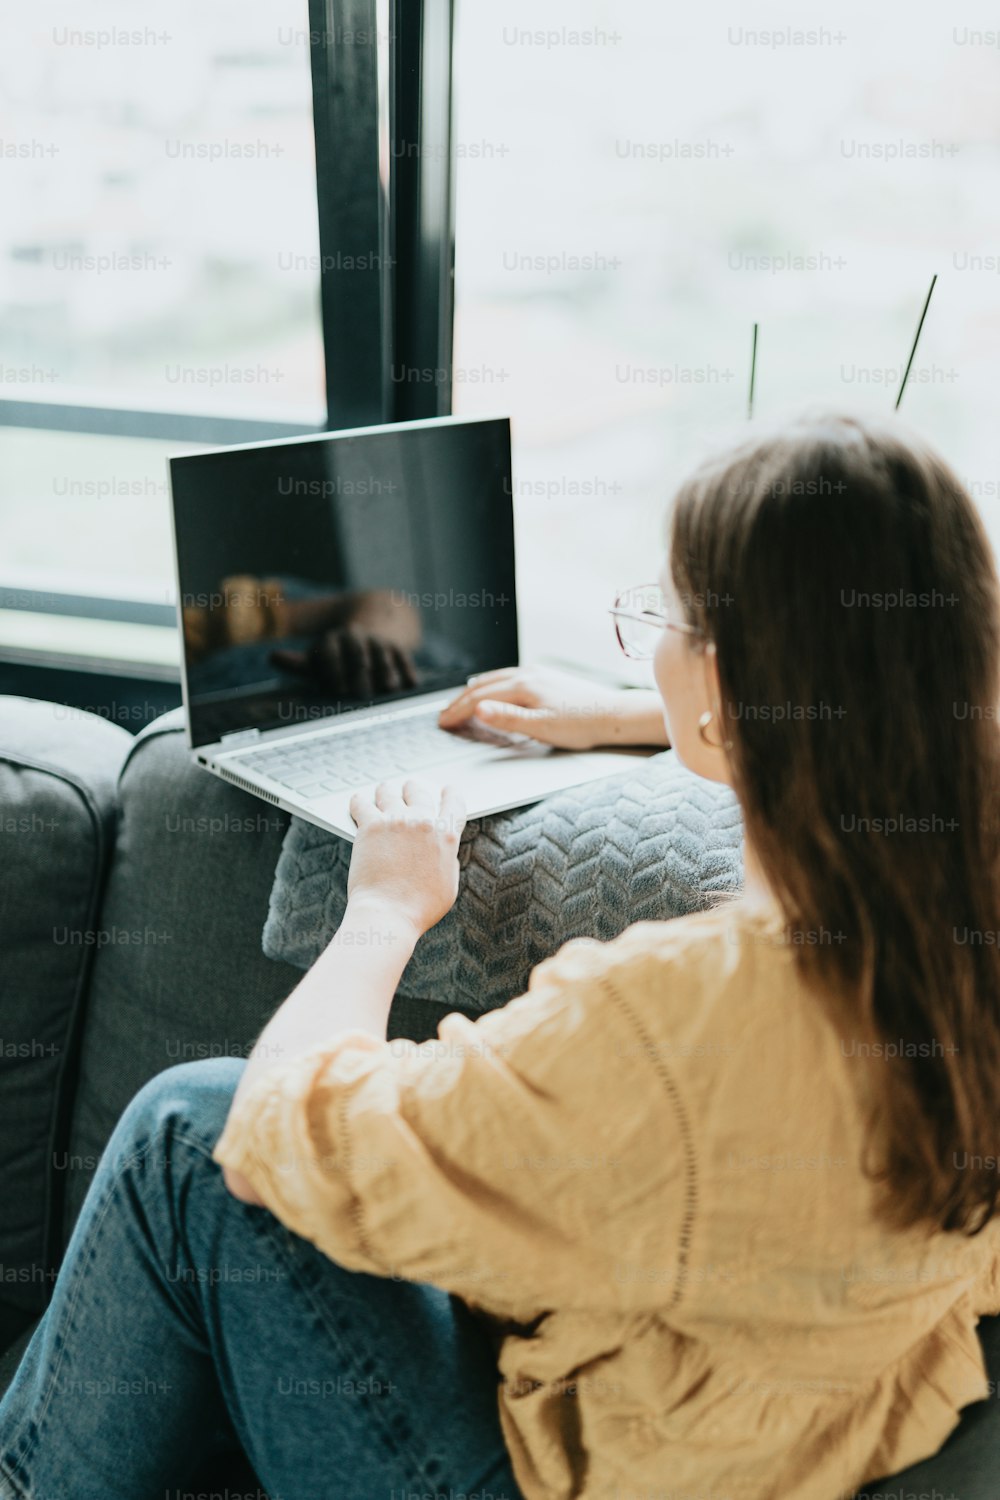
628	205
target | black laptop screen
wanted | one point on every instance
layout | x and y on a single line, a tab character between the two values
339	572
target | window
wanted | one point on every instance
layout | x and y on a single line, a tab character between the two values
224	224
160	253
638	183
162	247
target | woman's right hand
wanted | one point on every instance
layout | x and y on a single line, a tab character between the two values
559	709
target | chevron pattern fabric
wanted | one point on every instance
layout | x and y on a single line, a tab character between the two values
654	843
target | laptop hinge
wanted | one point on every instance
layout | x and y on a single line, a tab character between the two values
239	737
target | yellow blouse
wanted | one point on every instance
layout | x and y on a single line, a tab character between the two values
652	1160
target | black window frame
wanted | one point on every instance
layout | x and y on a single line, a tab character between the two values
386	276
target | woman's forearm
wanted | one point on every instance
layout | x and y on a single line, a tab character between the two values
636	719
349	988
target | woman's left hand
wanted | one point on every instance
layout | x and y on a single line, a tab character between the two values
406	852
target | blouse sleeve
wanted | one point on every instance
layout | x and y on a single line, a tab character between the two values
986	1290
469	1162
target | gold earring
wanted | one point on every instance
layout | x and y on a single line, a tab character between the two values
703	724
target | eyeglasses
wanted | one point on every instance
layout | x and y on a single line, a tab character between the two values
640	614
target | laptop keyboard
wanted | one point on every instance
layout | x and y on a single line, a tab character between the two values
322	764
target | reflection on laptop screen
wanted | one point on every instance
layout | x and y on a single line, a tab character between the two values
337	572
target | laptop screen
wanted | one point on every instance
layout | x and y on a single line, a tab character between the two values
338	572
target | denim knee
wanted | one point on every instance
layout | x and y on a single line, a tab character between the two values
191	1099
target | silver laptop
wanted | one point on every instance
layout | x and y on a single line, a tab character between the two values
334	592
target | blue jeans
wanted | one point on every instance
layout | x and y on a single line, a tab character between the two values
181	1315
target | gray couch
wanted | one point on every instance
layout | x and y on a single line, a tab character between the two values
133	891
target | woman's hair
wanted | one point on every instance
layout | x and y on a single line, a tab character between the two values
846	581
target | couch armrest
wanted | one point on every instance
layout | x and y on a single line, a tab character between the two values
58	775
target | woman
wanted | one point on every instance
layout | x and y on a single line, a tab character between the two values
719	1199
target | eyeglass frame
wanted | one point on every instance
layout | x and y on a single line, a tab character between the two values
646	617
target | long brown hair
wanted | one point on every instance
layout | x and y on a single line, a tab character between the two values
844	576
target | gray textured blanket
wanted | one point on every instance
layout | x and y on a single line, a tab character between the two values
653	843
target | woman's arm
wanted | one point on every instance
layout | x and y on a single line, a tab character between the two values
636	718
349	988
473	1162
561	710
404	877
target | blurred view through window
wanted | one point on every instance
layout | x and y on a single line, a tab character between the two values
639	182
158	251
636	184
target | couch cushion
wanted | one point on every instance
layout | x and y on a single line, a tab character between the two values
58	770
13	1351
187	896
648	844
